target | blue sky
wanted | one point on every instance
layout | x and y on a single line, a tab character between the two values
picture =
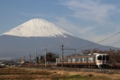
93	20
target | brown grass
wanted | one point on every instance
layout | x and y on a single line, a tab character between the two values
87	74
39	74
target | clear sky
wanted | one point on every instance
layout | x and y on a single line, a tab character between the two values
93	20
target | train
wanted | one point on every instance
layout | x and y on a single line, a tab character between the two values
94	60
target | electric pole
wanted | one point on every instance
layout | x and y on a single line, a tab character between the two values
30	59
24	59
62	55
35	58
45	55
20	59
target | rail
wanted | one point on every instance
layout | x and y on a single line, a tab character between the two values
105	71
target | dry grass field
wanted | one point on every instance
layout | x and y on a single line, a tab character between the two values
39	74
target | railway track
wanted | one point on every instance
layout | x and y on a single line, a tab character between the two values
105	71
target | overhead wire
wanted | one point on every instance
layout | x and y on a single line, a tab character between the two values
101	41
108	37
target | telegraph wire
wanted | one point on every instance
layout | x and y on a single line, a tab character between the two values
101	40
108	37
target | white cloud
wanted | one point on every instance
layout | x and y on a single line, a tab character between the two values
90	10
65	24
88	32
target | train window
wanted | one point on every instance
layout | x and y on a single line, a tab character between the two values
73	60
107	57
69	60
76	59
99	57
82	59
90	59
58	60
79	59
65	60
94	58
103	57
85	59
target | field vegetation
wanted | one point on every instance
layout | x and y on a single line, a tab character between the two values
39	74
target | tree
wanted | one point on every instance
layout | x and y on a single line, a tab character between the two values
42	59
50	57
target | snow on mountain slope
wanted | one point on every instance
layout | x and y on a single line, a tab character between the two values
37	28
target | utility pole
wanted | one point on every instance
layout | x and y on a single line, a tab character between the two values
45	55
30	59
62	55
20	59
24	59
35	58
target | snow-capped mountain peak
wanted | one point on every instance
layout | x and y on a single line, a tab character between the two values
37	28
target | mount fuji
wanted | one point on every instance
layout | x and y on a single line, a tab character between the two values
35	35
37	28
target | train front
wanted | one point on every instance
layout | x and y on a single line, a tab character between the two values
102	60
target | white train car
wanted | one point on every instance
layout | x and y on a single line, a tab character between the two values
102	60
94	60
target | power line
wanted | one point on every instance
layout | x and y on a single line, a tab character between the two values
108	37
113	44
101	40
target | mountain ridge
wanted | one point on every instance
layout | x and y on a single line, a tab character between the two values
38	28
12	46
17	45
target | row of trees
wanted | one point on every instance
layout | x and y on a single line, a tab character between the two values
50	57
